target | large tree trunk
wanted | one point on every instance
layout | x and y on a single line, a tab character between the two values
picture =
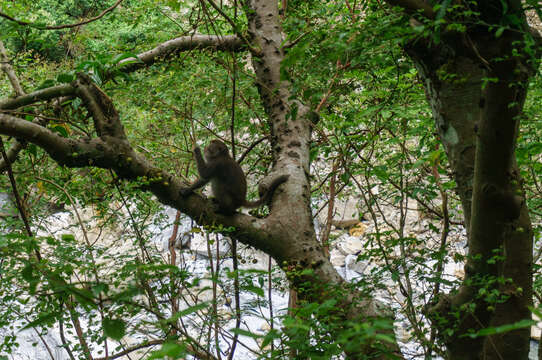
296	248
478	126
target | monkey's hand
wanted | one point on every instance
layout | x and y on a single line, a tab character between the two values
185	191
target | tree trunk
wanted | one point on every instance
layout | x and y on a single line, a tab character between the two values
478	124
296	248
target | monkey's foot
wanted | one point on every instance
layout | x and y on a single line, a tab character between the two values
217	208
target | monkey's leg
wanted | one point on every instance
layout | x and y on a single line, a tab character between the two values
226	204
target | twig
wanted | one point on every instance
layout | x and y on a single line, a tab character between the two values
330	208
18	201
442	247
270	298
236	31
252	146
65	344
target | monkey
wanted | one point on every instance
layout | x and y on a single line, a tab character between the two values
228	181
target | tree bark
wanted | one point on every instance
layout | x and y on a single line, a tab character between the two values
290	122
478	124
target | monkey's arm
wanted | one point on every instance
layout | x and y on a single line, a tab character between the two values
204	171
198	183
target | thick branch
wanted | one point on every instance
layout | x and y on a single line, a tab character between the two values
116	154
106	118
26	130
183	43
39	95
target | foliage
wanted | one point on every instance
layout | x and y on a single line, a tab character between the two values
374	122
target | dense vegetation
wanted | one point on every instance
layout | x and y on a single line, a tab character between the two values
399	108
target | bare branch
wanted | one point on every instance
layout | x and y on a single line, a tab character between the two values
11	154
66	26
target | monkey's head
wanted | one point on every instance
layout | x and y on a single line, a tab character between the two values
216	149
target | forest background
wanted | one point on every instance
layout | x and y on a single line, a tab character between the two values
432	105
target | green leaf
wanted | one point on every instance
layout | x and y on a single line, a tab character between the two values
67	237
189	310
442	9
253	289
169	350
499	32
269	337
60	129
65	78
46	84
28	273
32	149
133	59
114	328
43	318
99	288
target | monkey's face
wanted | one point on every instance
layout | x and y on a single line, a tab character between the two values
216	149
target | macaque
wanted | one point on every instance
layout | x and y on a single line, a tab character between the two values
227	179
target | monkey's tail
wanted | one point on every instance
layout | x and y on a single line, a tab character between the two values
266	198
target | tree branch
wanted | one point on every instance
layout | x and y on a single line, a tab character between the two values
183	43
106	118
10	104
5	65
11	154
234	28
191	349
117	154
39	95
